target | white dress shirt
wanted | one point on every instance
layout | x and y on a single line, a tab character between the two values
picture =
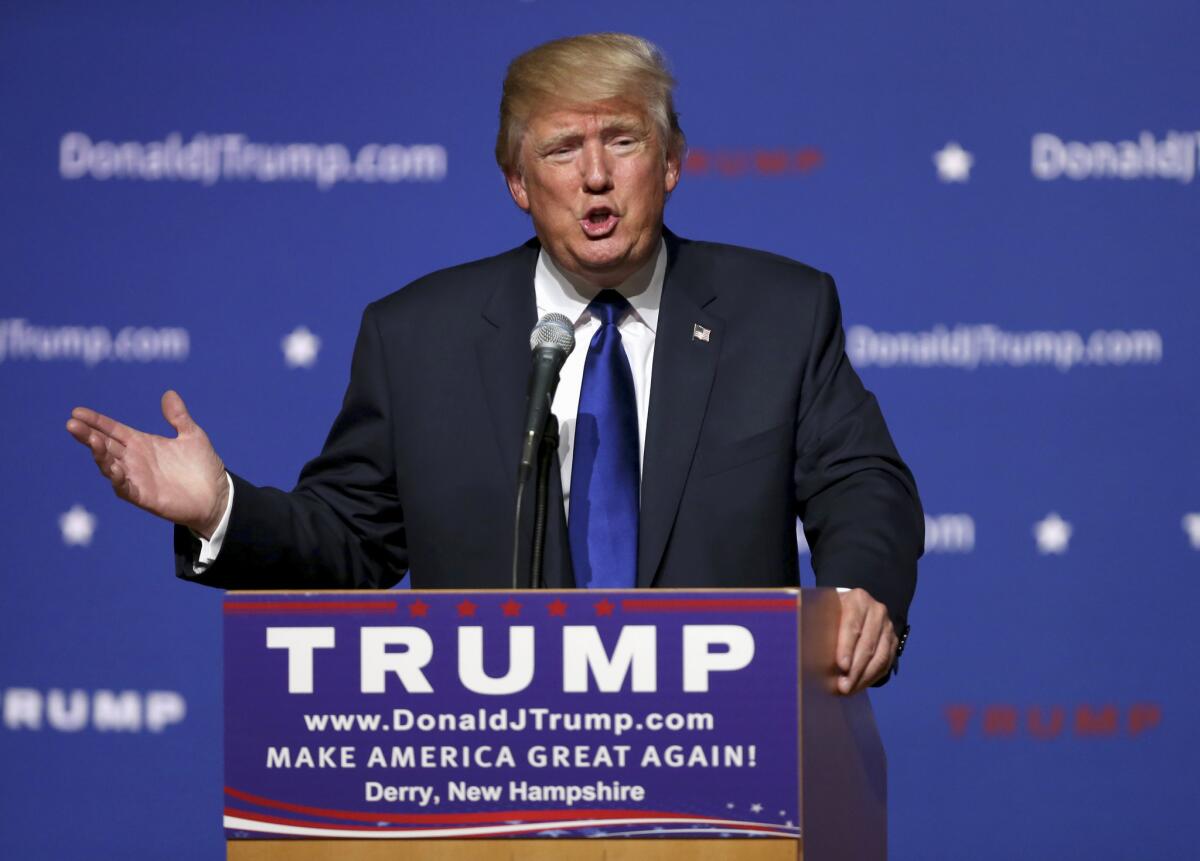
556	291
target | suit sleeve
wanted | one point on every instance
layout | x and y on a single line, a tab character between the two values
342	526
858	500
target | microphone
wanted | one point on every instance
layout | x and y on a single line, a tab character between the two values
551	341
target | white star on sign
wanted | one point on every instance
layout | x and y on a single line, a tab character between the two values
1053	534
300	348
953	163
77	526
756	808
1191	525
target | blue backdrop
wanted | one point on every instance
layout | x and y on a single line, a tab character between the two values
205	197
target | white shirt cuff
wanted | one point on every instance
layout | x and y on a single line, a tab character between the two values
211	547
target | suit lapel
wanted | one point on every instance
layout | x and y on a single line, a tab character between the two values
503	356
684	367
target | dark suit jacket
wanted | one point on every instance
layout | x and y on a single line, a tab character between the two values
764	421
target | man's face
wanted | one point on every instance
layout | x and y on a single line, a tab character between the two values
595	180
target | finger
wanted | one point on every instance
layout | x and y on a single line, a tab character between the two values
95	442
868	642
79	431
83	432
881	662
849	630
99	421
175	412
123	487
113	448
104	449
128	490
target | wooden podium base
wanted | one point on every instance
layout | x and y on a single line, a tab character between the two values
759	849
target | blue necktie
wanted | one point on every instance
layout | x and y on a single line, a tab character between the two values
603	523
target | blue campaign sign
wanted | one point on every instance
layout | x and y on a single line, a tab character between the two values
472	714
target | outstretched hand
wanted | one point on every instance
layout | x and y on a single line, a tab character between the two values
866	642
180	479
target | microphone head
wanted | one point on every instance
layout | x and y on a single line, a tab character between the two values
555	332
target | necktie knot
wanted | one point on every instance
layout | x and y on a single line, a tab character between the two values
608	307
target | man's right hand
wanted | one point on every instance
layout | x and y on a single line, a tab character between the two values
180	479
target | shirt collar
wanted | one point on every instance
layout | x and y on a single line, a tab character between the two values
555	291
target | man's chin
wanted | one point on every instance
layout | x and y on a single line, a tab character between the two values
607	260
604	271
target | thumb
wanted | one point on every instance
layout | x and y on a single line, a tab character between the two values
175	412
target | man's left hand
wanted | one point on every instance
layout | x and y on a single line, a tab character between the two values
866	643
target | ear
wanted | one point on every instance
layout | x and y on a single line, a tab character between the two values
672	167
516	187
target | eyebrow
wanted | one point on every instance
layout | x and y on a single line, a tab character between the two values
618	125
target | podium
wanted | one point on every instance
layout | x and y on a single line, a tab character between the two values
607	724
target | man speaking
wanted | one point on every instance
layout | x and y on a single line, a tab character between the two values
709	403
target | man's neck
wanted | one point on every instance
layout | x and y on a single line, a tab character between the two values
556	291
634	285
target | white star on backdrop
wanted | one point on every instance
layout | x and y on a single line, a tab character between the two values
300	348
756	808
77	526
1191	525
953	163
1053	534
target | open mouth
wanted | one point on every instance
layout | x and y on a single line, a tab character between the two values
599	222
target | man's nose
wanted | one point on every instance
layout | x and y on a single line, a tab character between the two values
597	173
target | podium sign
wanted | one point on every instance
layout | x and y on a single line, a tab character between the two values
512	714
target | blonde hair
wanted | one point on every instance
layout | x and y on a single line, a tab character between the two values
584	70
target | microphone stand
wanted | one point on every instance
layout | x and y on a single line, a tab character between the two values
546	458
544	454
552	341
516	542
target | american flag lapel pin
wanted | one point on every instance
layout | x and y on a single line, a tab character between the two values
700	333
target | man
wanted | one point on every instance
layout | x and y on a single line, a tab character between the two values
711	401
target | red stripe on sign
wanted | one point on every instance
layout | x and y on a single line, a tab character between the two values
692	604
310	606
508	829
279	820
441	818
